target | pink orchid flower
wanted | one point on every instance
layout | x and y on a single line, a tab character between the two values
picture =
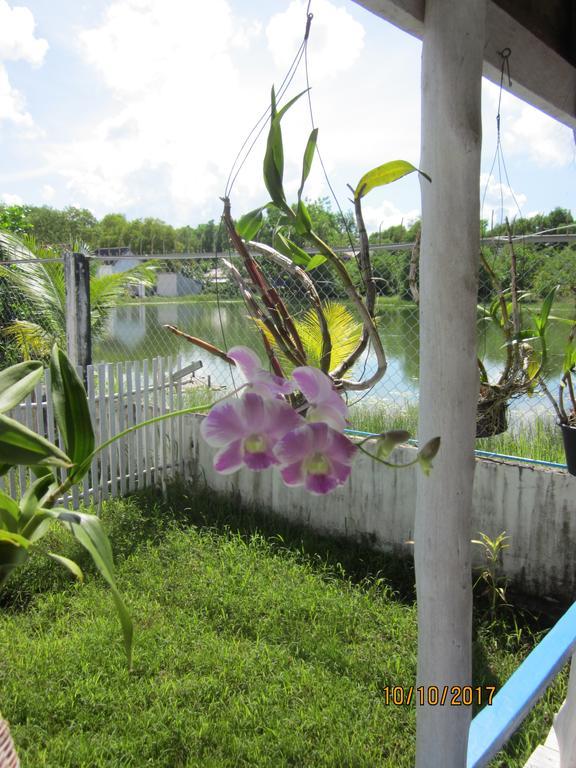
315	456
246	431
326	405
259	380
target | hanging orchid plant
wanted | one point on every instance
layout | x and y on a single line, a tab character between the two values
294	418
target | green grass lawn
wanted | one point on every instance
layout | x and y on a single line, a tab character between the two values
257	644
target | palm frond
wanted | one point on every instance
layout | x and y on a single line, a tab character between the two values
345	332
33	341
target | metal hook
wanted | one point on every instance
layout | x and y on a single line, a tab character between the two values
505	56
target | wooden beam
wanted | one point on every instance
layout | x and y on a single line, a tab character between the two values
540	76
449	381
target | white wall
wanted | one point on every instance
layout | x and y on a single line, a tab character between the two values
536	507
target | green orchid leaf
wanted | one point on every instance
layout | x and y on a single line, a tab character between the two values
388	441
89	532
303	222
9	513
73	567
315	261
249	224
31	499
385	174
290	249
308	158
17	382
19	445
427	453
71	408
14	538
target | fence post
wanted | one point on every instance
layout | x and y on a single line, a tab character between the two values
78	331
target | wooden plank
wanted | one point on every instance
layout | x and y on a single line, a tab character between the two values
130	421
103	458
139	417
180	372
172	447
121	426
89	479
495	724
162	424
147	429
543	757
155	431
112	431
180	406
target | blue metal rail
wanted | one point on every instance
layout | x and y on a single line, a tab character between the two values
495	724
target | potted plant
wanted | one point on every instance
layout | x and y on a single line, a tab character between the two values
566	417
524	344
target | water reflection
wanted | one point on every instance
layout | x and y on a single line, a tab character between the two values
136	331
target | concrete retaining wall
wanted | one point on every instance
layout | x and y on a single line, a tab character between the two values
536	508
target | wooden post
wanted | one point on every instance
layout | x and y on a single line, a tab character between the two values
452	54
565	723
78	329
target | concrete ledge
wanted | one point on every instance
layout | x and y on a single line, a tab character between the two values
536	507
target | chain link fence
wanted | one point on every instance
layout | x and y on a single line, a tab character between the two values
134	299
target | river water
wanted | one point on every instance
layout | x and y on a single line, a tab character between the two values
136	332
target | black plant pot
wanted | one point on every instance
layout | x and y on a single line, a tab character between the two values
569	437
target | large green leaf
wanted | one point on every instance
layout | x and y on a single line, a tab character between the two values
384	174
67	563
31	499
19	445
315	261
71	408
90	534
308	158
290	249
9	513
249	224
17	382
303	222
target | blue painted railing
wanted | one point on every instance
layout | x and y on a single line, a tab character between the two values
495	724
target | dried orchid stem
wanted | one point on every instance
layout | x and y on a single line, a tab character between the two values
289	266
270	297
365	266
205	345
286	348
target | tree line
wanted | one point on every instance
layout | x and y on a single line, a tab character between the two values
540	267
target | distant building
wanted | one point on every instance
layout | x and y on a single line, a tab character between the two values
215	276
176	284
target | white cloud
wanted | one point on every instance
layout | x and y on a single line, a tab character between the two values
17	43
500	201
47	192
178	105
337	38
380	217
17	39
527	131
9	199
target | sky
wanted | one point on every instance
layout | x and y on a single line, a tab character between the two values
141	106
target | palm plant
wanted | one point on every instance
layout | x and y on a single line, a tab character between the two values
35	279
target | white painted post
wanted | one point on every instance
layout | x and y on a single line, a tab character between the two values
453	45
565	723
78	329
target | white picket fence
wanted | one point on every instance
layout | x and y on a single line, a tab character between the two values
120	395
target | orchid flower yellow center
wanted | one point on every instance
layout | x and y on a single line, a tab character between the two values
255	444
318	464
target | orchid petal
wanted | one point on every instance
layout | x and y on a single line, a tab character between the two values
293	474
223	425
247	360
229	459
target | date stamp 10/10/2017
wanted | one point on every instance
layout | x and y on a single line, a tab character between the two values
445	695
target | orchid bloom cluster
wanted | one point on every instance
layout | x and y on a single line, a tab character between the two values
260	429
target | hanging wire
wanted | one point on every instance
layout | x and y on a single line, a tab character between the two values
245	151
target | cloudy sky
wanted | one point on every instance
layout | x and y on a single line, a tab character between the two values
140	106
